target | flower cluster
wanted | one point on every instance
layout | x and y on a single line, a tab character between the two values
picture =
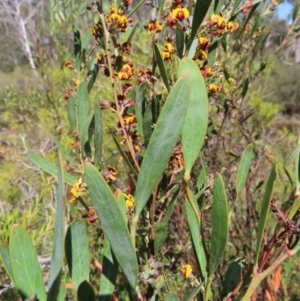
217	25
213	89
168	51
153	27
129	201
117	20
77	191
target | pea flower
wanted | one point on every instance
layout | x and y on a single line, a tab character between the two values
186	270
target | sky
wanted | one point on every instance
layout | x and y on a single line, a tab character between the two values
284	9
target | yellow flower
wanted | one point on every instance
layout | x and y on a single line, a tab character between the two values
166	56
76	191
186	270
112	9
218	20
230	80
201	55
180	13
168	48
203	43
129	200
232	26
153	26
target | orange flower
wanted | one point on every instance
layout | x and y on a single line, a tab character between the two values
186	270
203	43
232	27
201	55
207	72
213	89
153	26
180	13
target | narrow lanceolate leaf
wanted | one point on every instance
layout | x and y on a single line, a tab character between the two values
77	48
51	168
190	295
161	233
196	119
200	11
140	105
163	139
62	291
219	219
265	206
179	41
77	252
98	136
85	292
5	258
58	241
26	269
113	223
293	156
82	110
161	67
71	108
64	151
196	238
244	168
109	273
297	171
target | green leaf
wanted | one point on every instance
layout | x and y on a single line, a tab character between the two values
192	293
161	4
244	168
196	119
5	257
236	6
125	158
161	67
162	142
161	233
200	11
265	206
192	49
77	48
293	156
86	41
64	151
201	180
135	8
26	269
212	52
121	203
171	297
98	138
83	109
140	104
196	237
171	206
219	219
113	223
51	168
94	70
295	11
109	273
232	276
77	252
85	292
297	171
62	291
245	87
179	41
71	113
58	240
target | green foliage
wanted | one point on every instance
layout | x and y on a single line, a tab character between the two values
157	145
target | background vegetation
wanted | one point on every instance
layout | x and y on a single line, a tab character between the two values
37	74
